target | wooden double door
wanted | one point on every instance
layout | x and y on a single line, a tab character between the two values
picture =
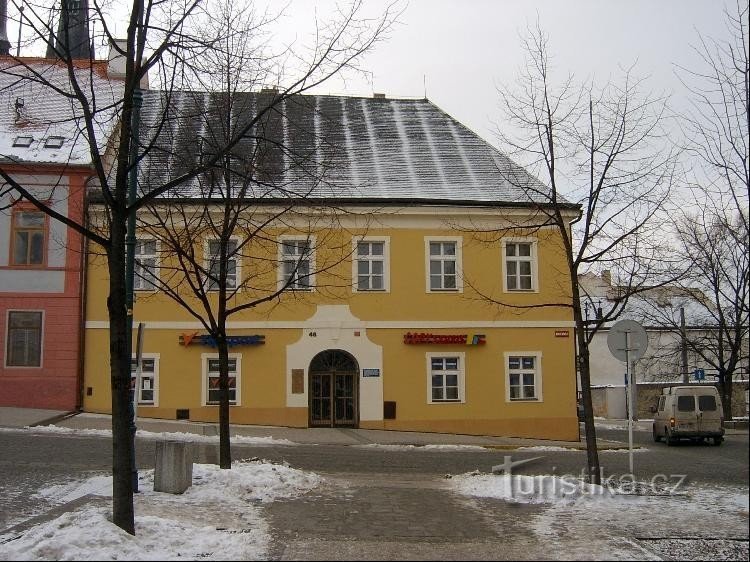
333	390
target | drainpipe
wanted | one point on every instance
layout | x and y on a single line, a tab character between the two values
683	342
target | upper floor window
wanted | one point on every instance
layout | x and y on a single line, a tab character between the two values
24	339
213	267
146	273
371	265
519	256
296	264
443	264
29	237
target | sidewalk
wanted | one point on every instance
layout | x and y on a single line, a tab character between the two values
19	417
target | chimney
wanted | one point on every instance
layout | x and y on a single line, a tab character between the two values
4	43
115	60
73	37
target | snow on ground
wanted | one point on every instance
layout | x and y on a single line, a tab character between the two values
656	519
467	448
160	436
218	518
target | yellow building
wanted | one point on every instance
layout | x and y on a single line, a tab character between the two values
413	277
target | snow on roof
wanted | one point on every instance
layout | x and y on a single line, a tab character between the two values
42	122
364	148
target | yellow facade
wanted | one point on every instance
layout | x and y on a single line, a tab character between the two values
396	381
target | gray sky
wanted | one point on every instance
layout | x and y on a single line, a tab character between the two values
462	49
459	51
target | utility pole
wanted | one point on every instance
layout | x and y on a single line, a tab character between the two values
683	342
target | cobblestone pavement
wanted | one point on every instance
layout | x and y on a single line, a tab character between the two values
399	517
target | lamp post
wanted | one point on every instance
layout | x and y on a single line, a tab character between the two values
130	264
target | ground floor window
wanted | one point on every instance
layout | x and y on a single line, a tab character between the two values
446	377
523	376
148	391
24	339
211	379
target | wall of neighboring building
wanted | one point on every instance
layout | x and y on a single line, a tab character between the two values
273	383
54	289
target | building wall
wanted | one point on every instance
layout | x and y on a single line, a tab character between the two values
371	327
54	289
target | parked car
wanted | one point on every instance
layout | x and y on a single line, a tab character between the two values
688	412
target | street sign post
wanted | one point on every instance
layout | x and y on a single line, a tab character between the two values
627	341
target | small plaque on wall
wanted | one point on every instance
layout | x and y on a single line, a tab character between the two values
298	381
370	372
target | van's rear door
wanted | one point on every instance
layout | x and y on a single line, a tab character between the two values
686	415
709	417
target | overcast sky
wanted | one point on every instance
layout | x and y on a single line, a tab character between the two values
461	50
458	51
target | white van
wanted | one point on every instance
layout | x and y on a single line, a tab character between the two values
689	412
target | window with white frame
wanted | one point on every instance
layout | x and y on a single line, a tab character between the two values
212	390
443	264
146	274
28	237
296	264
519	256
371	264
213	258
149	379
446	377
524	376
24	338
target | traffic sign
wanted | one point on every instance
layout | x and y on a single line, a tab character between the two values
627	340
700	374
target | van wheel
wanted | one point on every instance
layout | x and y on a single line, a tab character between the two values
717	441
669	439
657	438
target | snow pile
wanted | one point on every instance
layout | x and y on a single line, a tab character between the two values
88	534
526	489
467	448
160	436
249	481
215	519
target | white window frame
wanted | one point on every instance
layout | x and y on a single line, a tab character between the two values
461	372
386	241
7	338
238	377
538	379
207	265
310	240
138	280
150	356
533	258
458	241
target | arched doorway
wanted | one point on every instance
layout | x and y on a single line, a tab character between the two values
334	395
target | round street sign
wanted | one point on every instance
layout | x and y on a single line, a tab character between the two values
627	339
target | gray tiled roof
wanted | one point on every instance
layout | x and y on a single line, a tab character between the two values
363	148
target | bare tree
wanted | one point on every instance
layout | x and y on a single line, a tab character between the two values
599	152
713	232
162	41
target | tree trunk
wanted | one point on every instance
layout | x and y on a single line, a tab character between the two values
225	453
122	450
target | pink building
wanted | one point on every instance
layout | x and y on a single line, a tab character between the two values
44	148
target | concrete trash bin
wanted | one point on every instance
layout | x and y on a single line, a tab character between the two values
174	467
